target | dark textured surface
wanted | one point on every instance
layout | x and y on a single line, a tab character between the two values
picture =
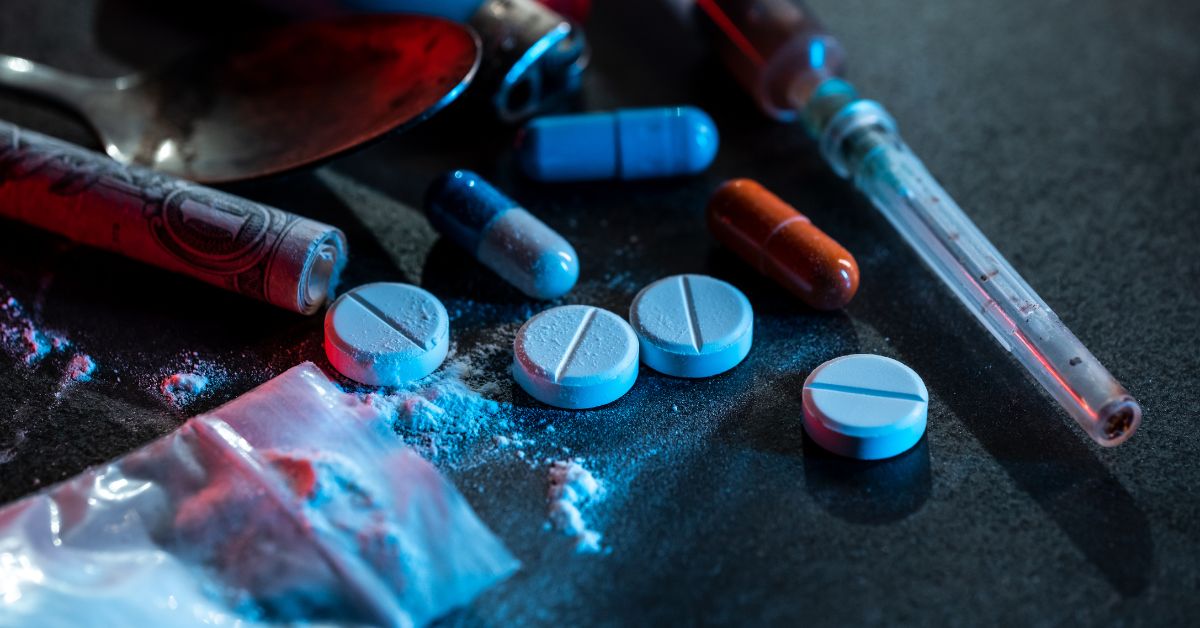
1067	129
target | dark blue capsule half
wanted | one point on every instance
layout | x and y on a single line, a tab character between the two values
460	205
501	235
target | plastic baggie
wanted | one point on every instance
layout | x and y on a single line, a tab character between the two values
295	502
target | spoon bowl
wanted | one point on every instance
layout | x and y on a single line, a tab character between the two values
284	98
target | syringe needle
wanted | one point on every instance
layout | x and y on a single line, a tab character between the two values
861	142
792	73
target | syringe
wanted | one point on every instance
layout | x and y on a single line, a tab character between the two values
790	65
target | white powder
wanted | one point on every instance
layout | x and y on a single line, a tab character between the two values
9	453
573	487
80	368
440	414
21	337
190	379
181	389
35	344
453	417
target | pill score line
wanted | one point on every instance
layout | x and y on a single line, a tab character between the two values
868	392
389	321
693	317
573	347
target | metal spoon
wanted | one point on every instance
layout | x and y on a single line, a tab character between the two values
286	98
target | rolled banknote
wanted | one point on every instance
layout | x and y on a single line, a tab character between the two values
225	240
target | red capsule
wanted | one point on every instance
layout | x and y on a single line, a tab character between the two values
783	244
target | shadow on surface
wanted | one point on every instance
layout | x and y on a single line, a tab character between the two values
871	492
451	272
1016	422
856	491
137	320
304	193
146	34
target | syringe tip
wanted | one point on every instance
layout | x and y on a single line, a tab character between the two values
1117	421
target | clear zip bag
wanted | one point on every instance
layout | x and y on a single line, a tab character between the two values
294	503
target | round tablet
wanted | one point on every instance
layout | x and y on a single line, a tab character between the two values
575	356
386	334
692	325
865	406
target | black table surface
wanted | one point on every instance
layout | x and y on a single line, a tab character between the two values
1068	131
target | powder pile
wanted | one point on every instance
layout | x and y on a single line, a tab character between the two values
22	338
573	487
441	414
453	416
188	380
181	389
80	368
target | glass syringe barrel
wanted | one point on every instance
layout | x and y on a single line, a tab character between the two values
776	49
860	141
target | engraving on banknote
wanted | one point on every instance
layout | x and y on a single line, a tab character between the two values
75	170
220	234
210	231
247	247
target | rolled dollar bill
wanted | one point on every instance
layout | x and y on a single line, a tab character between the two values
225	240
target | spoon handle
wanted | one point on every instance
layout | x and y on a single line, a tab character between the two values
63	87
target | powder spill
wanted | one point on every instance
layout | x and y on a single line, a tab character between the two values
181	388
22	338
440	414
9	453
80	368
188	381
453	417
36	345
571	488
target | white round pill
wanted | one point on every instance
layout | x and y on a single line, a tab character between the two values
387	334
575	356
865	406
692	325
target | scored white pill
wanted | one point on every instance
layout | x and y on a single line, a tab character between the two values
387	334
865	406
575	356
692	325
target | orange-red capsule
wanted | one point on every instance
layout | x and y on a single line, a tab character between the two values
783	244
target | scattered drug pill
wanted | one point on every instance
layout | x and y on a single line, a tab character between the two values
782	244
575	356
692	325
502	236
386	334
865	406
625	144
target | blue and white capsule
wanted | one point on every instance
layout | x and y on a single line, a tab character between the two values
625	144
501	235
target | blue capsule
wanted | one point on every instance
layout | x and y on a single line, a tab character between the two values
626	144
457	10
501	235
